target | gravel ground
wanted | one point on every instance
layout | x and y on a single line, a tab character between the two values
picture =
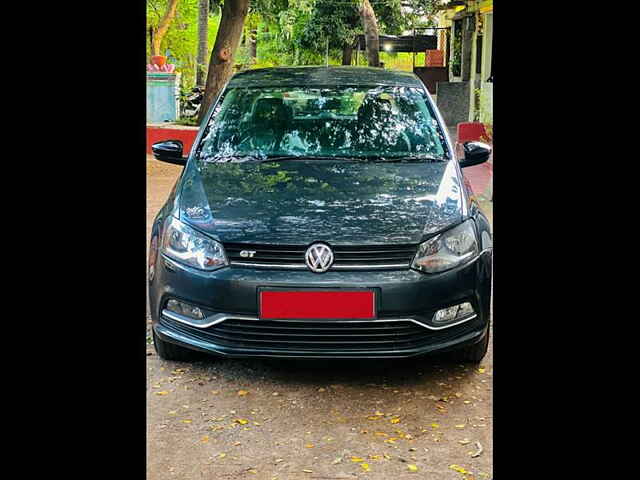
290	420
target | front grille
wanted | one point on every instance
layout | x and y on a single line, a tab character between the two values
318	337
374	257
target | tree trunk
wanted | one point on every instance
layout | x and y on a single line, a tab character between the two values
163	26
253	45
371	35
234	13
203	28
347	54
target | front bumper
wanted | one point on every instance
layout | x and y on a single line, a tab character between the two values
406	301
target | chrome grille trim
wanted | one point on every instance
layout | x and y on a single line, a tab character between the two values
221	317
295	266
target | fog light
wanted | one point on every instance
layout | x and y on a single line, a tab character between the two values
452	314
185	309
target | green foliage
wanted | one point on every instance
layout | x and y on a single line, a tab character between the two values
289	32
181	40
337	23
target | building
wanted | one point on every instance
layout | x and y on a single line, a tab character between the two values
466	37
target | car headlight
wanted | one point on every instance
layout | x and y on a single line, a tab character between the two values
447	250
188	246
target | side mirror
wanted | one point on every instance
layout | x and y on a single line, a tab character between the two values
169	151
475	153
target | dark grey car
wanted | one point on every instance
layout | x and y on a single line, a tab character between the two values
321	213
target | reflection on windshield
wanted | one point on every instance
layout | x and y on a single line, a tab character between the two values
354	122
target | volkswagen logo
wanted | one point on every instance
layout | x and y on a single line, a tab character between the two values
319	257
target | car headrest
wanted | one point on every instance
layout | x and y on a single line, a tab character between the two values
270	111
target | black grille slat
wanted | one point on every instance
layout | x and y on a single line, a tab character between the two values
334	334
309	334
375	256
314	327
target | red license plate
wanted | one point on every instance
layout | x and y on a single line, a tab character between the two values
317	304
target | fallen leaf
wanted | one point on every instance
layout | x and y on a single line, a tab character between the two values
365	467
357	459
186	421
337	460
205	439
222	455
459	469
412	468
242	393
241	421
164	392
252	470
481	370
307	471
478	452
460	426
309	445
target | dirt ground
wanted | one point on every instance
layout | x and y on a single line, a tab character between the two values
289	420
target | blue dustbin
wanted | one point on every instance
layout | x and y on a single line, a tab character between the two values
162	97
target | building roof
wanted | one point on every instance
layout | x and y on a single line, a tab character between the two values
323	76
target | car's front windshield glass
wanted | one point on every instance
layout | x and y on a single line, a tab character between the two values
369	123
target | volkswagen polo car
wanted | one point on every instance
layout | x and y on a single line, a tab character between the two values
321	212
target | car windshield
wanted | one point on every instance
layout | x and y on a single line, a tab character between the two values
368	123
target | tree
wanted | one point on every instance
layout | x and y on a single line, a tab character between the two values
340	23
161	30
371	34
228	38
203	46
251	34
337	23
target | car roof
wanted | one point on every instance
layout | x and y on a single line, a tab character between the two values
323	76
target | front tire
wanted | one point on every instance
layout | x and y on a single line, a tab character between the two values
170	351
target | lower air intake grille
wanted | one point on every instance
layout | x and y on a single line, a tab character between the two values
318	337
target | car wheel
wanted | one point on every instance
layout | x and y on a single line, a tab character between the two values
170	351
472	354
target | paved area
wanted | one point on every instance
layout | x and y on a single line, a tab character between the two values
290	420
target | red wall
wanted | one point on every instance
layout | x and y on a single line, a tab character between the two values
186	134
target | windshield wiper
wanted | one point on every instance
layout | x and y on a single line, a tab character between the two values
272	158
279	158
410	159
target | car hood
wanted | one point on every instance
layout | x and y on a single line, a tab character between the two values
299	202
